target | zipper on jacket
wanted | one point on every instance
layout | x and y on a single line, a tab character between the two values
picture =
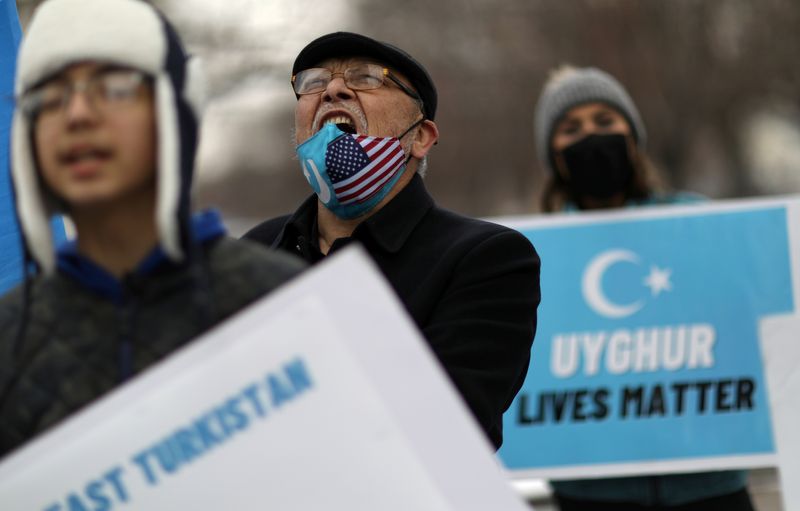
655	491
126	312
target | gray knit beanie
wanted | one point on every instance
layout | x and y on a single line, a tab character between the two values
571	87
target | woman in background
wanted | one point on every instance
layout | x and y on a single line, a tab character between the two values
591	139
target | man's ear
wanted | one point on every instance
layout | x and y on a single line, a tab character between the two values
427	135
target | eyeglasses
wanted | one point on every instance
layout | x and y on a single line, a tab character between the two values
361	77
105	90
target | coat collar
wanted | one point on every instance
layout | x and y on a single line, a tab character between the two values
206	226
389	228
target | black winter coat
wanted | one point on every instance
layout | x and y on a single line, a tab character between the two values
471	286
75	337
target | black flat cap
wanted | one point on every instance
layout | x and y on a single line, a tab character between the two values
348	44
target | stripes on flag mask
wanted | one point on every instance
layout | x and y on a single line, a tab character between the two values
350	173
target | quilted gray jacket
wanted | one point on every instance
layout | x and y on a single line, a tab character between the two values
78	339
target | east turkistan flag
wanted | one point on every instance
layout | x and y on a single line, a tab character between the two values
10	248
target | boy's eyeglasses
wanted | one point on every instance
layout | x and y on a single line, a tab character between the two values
104	90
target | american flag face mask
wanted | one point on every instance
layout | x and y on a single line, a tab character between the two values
350	173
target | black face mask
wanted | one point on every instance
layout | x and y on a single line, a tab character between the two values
598	166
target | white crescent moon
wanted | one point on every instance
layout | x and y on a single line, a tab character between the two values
324	192
592	288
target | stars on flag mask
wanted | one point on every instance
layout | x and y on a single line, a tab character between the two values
351	173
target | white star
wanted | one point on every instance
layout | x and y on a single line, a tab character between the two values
658	280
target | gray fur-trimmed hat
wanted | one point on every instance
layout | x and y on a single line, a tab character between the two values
130	33
571	87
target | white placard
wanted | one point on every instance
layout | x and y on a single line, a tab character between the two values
782	364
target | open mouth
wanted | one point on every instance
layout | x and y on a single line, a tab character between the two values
342	122
80	155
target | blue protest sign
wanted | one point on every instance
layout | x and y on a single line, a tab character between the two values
10	247
648	347
10	259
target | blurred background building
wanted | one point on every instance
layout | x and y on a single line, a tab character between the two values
717	82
